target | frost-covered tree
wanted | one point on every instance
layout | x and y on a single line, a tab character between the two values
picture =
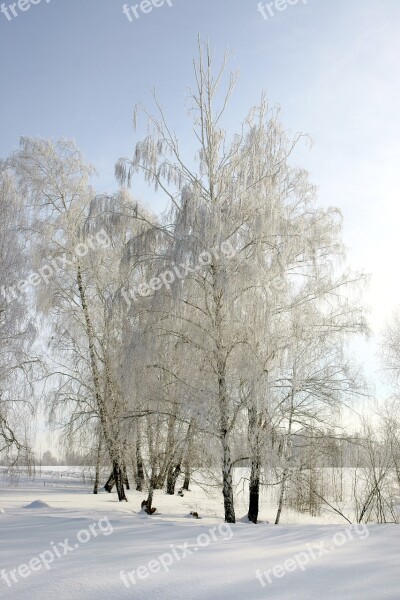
17	331
316	377
255	246
76	284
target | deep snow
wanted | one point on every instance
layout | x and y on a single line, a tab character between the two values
355	563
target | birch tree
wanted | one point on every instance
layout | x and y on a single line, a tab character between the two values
55	178
243	220
17	330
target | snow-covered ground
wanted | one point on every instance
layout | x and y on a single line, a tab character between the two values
92	547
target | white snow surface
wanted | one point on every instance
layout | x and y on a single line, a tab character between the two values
365	566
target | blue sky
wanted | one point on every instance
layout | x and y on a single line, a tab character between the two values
76	68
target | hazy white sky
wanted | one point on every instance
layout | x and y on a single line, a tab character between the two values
75	68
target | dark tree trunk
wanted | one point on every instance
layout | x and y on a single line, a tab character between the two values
116	478
227	481
119	481
254	483
139	469
98	461
254	489
110	483
188	457
149	502
186	481
173	474
125	476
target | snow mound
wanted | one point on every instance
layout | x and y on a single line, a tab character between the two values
245	519
37	504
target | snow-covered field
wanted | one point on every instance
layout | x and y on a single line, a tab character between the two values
83	546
